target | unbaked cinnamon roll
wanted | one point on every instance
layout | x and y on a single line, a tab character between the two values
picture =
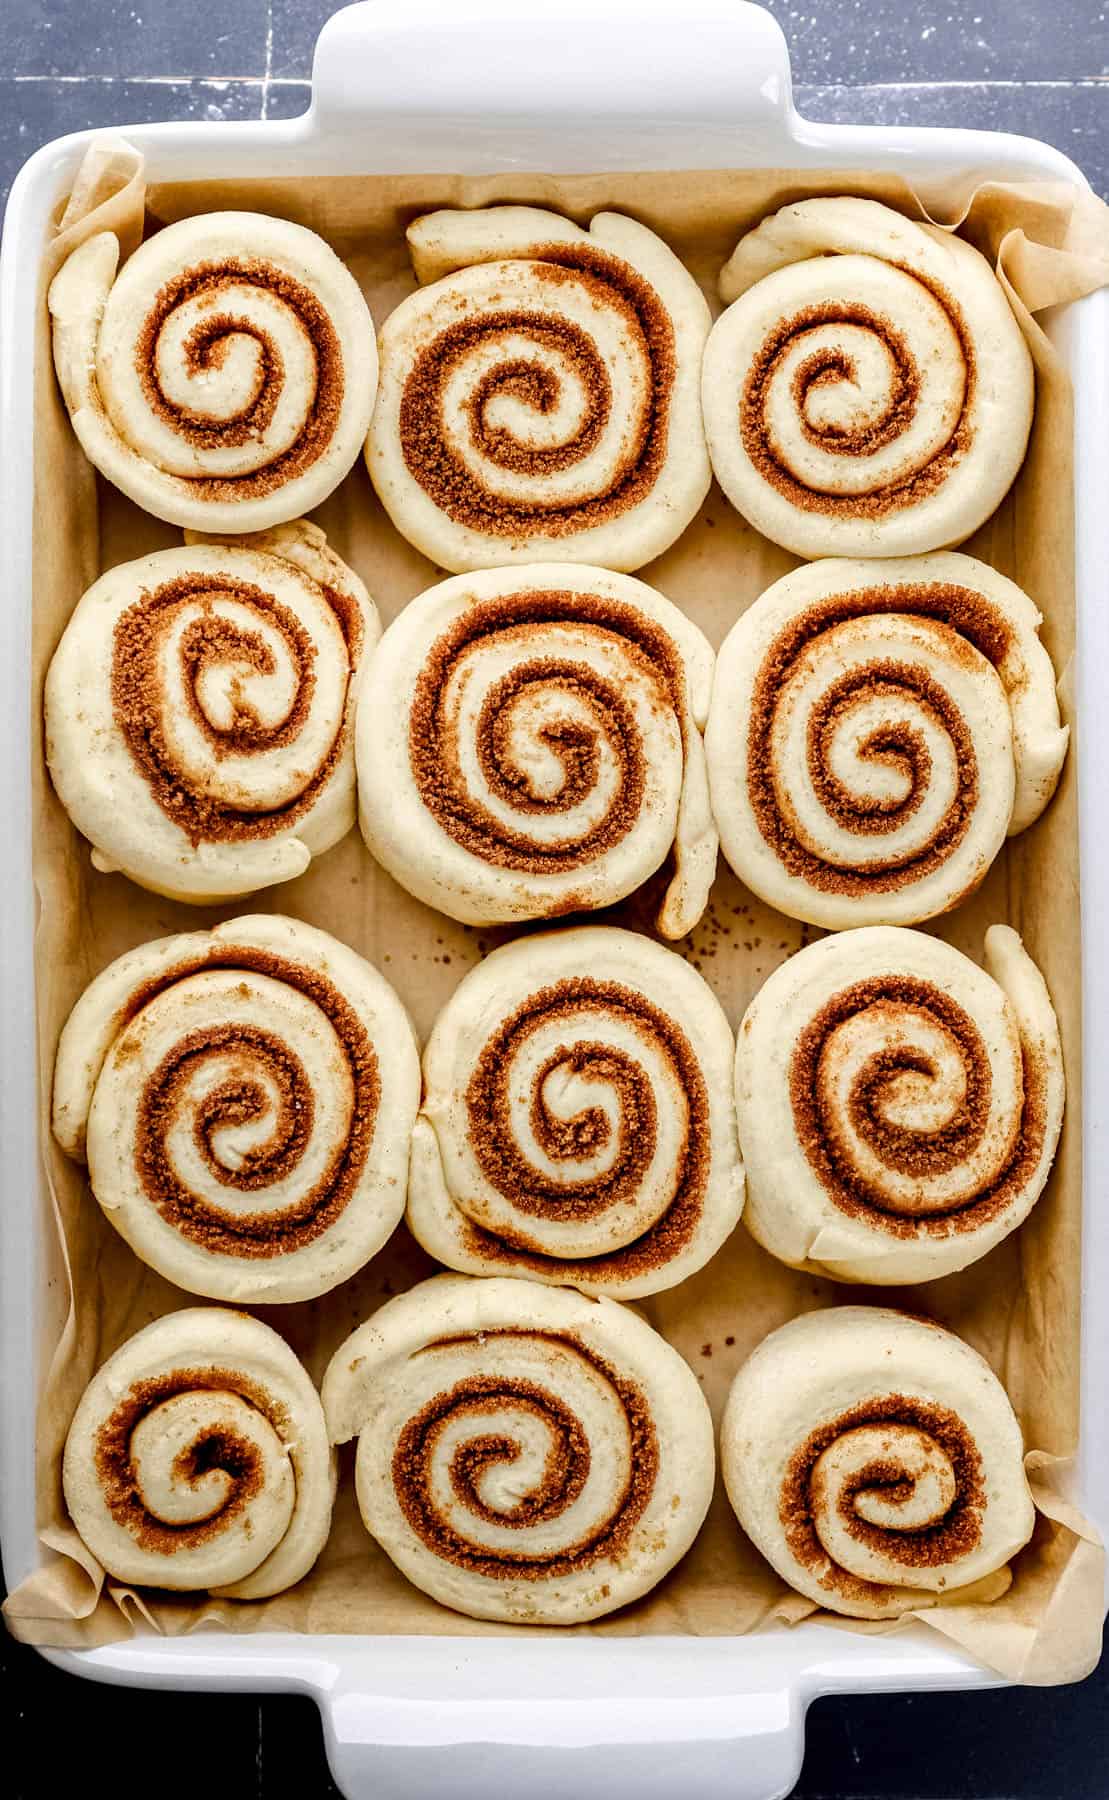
540	394
244	1098
524	1454
198	1458
899	1107
875	732
868	392
529	745
876	1462
577	1123
224	377
200	711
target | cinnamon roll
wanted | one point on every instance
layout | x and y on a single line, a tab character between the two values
868	392
244	1098
876	731
577	1123
200	711
899	1107
198	1458
876	1462
524	1454
540	395
224	377
529	745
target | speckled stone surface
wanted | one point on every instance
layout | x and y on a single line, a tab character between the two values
1038	67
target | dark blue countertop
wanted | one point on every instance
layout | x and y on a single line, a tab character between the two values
1028	66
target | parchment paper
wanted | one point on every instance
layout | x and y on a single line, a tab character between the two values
1019	1306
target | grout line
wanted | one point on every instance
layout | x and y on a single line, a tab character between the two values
862	87
268	80
267	75
216	81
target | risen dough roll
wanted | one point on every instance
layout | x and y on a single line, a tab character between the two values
529	744
224	377
200	707
245	1098
540	394
198	1458
899	1107
577	1123
524	1454
868	392
876	1462
875	731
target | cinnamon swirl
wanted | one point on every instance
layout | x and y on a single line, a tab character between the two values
524	1454
529	745
577	1123
200	710
899	1107
244	1098
224	377
540	395
868	392
876	1462
875	732
198	1458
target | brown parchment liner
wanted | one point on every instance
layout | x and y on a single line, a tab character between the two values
1019	1306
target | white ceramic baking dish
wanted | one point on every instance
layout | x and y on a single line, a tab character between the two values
481	85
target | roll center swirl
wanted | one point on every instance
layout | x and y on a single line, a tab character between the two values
892	1486
554	411
497	1474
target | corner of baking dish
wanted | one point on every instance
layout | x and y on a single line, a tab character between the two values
425	85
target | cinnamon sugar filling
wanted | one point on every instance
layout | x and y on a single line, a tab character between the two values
224	1450
435	753
206	348
970	624
207	642
942	1542
919	1154
264	1233
564	1475
899	491
529	1191
440	468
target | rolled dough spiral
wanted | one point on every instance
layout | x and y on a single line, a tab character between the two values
529	745
200	711
876	1462
868	391
224	378
540	394
198	1458
577	1123
875	732
524	1454
899	1107
244	1098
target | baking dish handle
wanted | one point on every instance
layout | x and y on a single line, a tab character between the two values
744	1746
703	64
